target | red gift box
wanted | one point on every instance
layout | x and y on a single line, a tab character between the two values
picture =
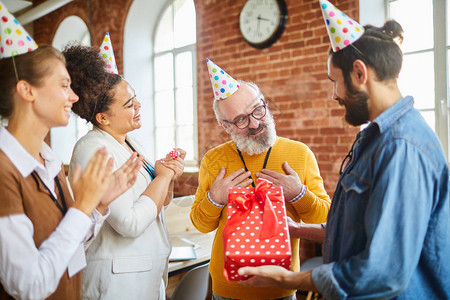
256	232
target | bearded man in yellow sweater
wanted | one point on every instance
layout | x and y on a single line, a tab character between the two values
254	152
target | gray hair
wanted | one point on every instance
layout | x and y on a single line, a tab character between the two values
250	84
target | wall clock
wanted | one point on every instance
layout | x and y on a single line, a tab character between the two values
262	22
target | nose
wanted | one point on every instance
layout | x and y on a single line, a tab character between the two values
137	104
254	123
335	96
72	96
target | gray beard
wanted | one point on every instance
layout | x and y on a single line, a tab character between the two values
253	145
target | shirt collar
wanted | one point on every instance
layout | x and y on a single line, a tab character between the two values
23	161
386	119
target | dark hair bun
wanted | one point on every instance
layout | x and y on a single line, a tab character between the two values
394	30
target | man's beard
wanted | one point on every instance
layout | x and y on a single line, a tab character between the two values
356	107
253	145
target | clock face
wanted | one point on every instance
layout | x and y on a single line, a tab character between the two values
262	21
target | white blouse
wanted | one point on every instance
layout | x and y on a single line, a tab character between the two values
25	271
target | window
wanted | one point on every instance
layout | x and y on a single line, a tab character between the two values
425	71
175	81
63	139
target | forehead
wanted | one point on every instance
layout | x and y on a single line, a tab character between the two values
58	70
241	102
333	72
123	91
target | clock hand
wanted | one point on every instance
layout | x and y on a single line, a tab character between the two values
257	25
264	19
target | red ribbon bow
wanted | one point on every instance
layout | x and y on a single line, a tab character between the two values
245	202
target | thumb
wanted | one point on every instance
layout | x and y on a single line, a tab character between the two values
287	169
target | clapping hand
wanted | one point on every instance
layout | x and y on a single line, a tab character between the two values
90	185
121	180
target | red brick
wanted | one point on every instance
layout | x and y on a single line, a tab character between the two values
292	71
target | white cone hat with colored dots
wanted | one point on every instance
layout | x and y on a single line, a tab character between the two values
106	50
14	39
342	30
223	85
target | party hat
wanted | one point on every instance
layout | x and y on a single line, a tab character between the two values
342	30
223	85
106	50
14	39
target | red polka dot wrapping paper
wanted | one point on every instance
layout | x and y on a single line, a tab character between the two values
256	232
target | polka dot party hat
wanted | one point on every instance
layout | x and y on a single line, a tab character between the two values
342	30
106	50
14	39
223	85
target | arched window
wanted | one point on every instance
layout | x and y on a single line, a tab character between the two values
63	139
175	109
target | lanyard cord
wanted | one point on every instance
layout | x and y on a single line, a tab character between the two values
245	166
63	208
147	167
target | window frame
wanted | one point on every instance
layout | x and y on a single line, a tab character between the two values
189	164
441	73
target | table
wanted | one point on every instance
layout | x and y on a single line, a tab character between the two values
183	233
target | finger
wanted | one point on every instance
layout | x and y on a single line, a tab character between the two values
129	164
175	168
244	183
268	173
221	174
237	173
248	271
182	153
91	162
101	169
265	176
137	165
242	177
132	165
97	163
287	169
175	164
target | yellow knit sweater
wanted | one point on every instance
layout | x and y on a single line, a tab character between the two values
206	217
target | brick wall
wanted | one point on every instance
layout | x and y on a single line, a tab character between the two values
291	73
107	16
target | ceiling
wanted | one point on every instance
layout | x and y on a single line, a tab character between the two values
16	5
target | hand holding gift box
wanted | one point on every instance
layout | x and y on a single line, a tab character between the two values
256	232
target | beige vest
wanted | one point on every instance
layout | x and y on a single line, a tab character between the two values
29	196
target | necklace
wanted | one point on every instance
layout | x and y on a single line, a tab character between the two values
245	166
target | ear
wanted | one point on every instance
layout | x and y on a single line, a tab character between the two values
360	72
102	119
25	90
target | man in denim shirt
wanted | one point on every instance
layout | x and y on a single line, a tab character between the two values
388	229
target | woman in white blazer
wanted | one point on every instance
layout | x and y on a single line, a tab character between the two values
129	257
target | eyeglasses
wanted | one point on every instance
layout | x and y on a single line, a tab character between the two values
244	121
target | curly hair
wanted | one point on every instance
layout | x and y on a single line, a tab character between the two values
33	67
93	84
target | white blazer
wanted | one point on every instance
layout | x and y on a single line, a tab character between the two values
129	257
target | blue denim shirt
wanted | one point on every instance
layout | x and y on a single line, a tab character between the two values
388	228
